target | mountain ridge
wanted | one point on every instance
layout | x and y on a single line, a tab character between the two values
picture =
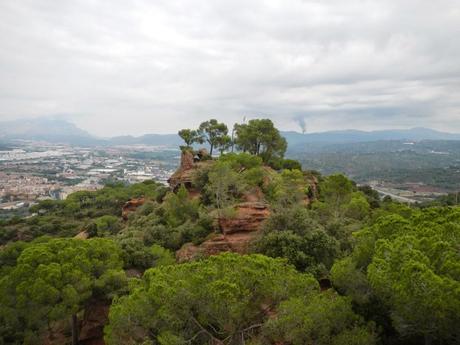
63	131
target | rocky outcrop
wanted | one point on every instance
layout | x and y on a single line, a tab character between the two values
313	182
183	175
190	162
236	233
249	216
92	326
237	243
82	235
131	206
187	160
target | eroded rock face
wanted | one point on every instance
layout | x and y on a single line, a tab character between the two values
189	164
92	326
249	217
237	243
313	184
186	160
183	175
131	206
237	233
82	235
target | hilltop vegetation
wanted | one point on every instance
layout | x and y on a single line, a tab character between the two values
328	262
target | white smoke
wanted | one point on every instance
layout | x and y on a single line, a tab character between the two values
301	122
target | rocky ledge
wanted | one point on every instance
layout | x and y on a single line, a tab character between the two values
237	233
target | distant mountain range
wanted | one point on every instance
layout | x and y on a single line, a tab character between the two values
43	129
297	140
61	131
147	139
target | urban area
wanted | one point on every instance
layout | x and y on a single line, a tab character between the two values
32	171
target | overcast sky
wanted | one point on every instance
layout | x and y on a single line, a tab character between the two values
132	67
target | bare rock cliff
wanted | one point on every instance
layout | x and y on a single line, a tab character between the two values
131	206
237	233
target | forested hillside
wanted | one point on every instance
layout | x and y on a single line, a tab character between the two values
243	248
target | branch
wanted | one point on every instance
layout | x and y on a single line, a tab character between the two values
196	335
217	340
257	325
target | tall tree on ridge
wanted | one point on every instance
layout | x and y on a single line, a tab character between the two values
212	132
260	137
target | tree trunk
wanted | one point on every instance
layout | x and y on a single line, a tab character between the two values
210	152
74	329
428	339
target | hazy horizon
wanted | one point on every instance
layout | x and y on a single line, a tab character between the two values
52	123
115	68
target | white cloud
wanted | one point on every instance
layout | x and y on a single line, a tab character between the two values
117	67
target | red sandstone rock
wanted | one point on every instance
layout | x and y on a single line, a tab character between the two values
240	243
238	233
92	325
131	206
183	175
249	217
187	169
82	235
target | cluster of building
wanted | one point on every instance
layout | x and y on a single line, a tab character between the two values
406	192
36	171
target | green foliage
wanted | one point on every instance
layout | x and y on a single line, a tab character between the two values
54	279
320	319
223	143
254	177
260	137
278	163
178	220
137	255
241	161
79	211
224	185
410	265
351	280
162	256
190	136
372	196
106	225
358	208
296	218
336	190
294	234
313	253
293	187
179	208
9	255
422	291
205	301
291	164
215	134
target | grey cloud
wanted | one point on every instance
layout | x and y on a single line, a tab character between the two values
117	67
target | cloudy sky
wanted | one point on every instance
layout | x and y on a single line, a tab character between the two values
117	67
